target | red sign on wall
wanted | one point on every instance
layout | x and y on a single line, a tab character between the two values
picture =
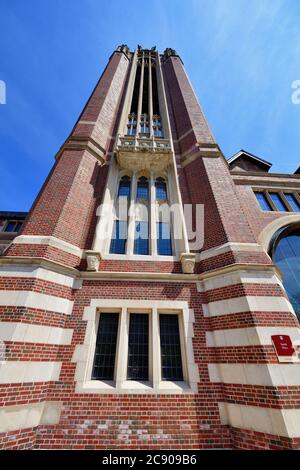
283	345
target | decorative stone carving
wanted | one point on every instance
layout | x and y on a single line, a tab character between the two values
169	52
188	262
139	153
123	48
93	260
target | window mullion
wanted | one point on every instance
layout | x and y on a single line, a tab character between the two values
156	361
122	350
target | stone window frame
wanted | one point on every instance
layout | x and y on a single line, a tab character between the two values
84	353
281	193
153	205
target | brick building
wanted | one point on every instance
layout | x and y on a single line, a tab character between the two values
131	321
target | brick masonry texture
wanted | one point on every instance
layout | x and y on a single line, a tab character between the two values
66	209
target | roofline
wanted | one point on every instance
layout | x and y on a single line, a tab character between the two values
12	214
238	154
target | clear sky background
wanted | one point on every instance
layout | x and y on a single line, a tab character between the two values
241	55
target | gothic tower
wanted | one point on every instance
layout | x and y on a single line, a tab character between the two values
140	304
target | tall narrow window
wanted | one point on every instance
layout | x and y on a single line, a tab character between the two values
138	347
292	202
106	344
164	243
131	125
171	362
142	189
161	189
141	238
263	201
163	230
124	187
278	202
119	235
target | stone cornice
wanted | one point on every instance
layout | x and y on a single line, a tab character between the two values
136	276
83	143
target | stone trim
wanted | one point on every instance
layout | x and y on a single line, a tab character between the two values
251	336
49	240
84	353
230	246
269	375
31	333
267	233
31	299
12	372
30	415
277	422
247	303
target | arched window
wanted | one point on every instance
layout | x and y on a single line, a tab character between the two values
285	253
124	187
161	189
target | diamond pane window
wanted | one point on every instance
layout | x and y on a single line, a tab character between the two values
119	237
138	347
171	362
106	344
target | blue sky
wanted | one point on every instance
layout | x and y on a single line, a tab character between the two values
242	57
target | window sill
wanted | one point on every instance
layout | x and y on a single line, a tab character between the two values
132	387
132	257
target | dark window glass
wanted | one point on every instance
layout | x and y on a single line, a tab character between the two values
161	189
287	258
263	202
278	202
164	244
106	343
138	347
142	189
119	236
124	187
11	226
18	226
171	363
293	202
141	239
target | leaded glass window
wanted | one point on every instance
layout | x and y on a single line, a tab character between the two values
171	361
138	347
106	344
